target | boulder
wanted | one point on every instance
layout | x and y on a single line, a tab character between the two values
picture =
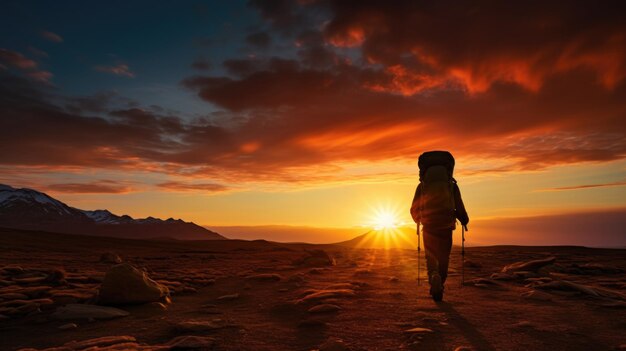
315	258
110	257
125	284
531	266
81	311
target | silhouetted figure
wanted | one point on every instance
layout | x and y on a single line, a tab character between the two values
437	205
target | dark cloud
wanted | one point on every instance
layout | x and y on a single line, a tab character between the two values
121	69
16	59
202	65
476	44
524	88
260	40
50	36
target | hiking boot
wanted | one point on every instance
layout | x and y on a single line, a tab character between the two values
436	288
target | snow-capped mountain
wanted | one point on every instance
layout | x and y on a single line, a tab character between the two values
34	210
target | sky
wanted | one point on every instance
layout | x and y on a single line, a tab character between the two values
313	112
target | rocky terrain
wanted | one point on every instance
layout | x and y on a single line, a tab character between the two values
72	292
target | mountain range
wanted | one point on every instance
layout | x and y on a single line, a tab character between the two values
33	210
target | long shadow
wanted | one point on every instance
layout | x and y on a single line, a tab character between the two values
478	340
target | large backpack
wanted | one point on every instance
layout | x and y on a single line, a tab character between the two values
437	205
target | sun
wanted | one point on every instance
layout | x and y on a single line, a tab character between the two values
384	218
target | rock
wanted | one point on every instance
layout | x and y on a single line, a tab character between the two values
13	296
99	342
31	280
362	272
524	274
68	326
333	345
110	257
324	308
418	330
28	308
228	297
523	324
194	325
317	295
11	270
532	266
537	295
502	276
191	342
315	258
394	280
81	311
464	348
35	291
265	277
125	284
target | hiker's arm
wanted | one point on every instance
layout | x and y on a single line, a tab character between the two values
460	212
415	205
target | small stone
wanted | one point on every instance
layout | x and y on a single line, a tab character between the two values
191	342
464	348
228	297
68	326
324	308
265	277
333	345
99	342
418	330
193	325
394	279
13	296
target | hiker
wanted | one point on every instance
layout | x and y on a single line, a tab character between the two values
437	205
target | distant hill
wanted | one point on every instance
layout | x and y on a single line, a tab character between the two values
399	238
33	210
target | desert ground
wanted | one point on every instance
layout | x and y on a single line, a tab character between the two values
258	295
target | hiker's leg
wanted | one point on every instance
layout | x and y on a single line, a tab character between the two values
430	249
445	246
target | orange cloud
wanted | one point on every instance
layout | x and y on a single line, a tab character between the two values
586	186
97	187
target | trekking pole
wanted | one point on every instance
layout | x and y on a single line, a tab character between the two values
419	250
462	255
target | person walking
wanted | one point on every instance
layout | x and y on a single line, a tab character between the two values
437	205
